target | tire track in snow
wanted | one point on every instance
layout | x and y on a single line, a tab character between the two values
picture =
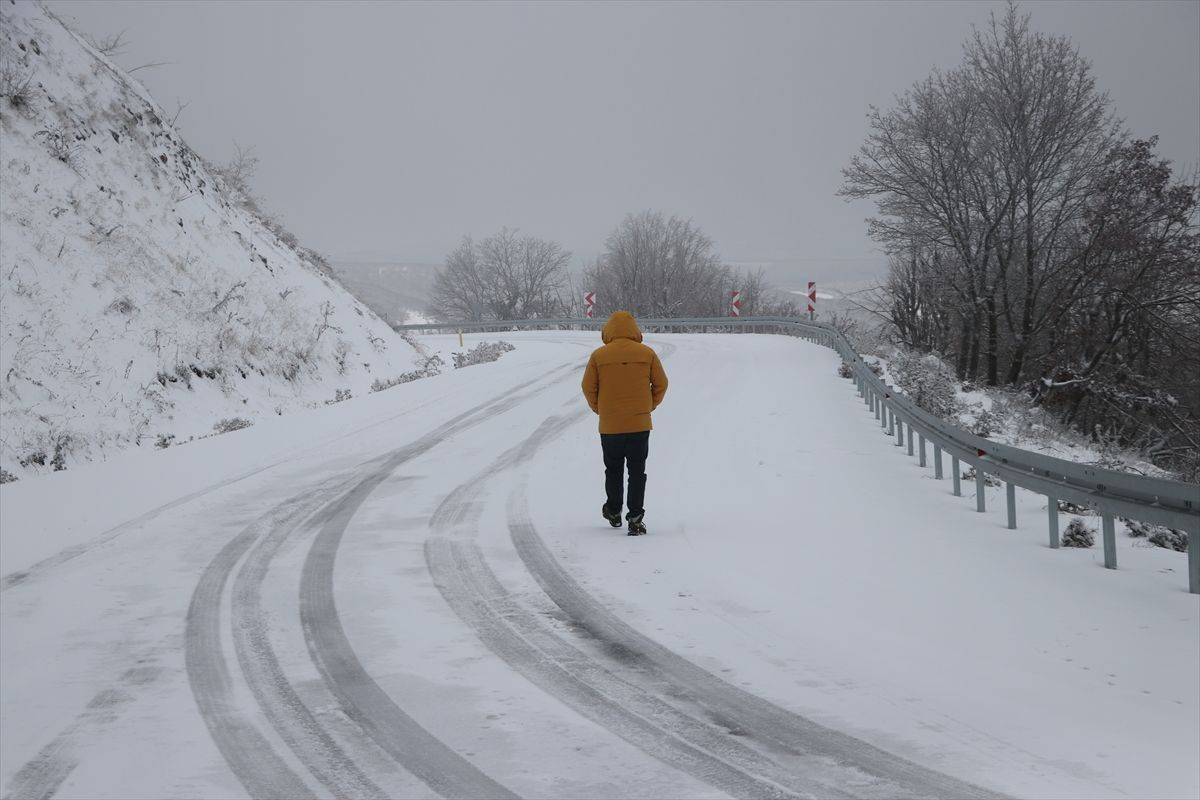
249	754
247	751
38	569
276	696
360	697
41	777
570	676
832	757
694	746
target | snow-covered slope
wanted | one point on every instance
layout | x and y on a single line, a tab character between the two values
137	301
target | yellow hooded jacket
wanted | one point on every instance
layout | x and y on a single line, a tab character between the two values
624	380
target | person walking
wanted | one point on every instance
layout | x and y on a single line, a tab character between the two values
624	381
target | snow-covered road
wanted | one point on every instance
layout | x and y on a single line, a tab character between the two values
413	594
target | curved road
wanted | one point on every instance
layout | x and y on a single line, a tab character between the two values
383	616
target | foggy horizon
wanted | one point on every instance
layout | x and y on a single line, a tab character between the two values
391	131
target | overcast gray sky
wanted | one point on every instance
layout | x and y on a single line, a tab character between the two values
393	129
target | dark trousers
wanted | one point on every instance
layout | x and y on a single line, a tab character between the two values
620	450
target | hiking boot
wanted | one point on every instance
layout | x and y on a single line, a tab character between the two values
613	517
636	526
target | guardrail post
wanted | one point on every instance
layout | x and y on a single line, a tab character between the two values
899	432
922	438
980	503
1052	507
1010	491
937	461
1110	541
1194	560
891	421
954	468
910	439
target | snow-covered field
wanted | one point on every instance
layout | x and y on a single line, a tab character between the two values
413	594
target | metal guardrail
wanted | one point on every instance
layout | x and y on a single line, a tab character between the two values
1153	500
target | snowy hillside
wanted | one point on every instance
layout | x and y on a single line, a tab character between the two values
137	302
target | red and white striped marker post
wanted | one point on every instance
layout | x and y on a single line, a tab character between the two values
812	298
589	301
735	304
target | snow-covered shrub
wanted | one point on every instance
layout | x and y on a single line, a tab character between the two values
55	442
339	396
17	88
231	424
1139	530
846	371
379	384
1073	508
988	478
1158	535
482	354
180	373
340	352
927	381
985	422
163	440
6	476
433	366
1169	538
122	305
60	142
1078	534
36	458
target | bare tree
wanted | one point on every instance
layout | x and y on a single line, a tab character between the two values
1029	237
236	174
458	290
110	46
1124	351
502	277
928	163
659	267
1056	131
991	162
920	306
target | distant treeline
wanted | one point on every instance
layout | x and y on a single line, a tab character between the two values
652	265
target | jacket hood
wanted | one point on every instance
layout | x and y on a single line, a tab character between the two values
621	325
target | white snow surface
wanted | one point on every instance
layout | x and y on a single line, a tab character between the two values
137	300
794	553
